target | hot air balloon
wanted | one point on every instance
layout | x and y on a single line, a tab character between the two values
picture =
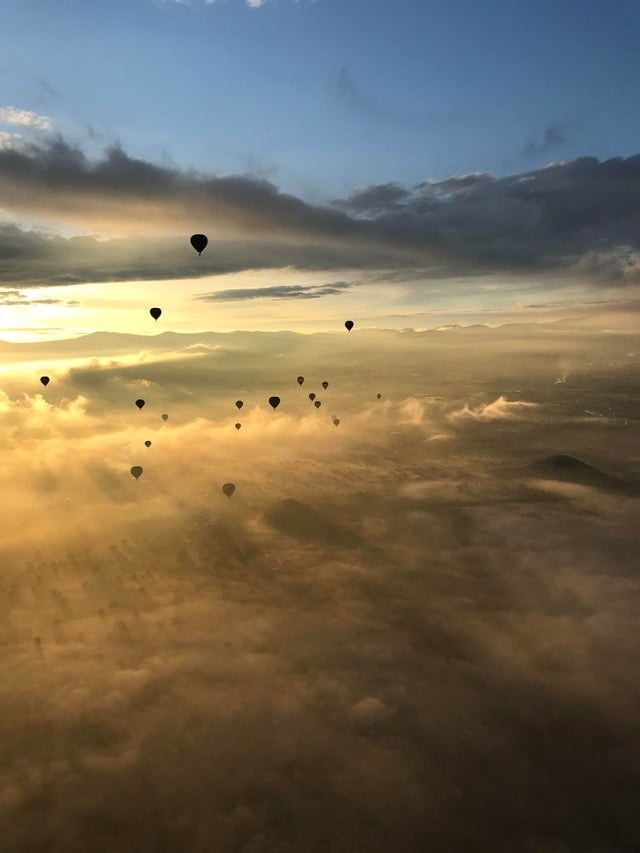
165	417
136	471
155	313
317	404
147	443
238	426
349	325
45	380
312	396
378	396
325	385
199	242
228	489
274	402
300	380
239	404
140	403
336	421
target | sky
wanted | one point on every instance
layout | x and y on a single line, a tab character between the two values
446	162
413	623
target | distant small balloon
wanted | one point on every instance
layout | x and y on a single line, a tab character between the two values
312	396
228	489
238	426
378	396
155	312
336	421
274	402
199	242
136	471
300	380
165	417
147	443
45	380
317	404
349	325
139	403
325	385
239	404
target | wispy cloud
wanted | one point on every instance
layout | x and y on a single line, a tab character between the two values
552	137
17	297
352	94
24	118
285	291
499	410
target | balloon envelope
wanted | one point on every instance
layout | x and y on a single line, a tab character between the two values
165	417
239	404
325	385
300	380
147	443
45	380
378	396
275	402
228	489
136	471
199	242
349	325
336	421
238	426
139	403
317	404
155	312
312	396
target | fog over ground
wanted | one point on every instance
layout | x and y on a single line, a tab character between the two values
416	630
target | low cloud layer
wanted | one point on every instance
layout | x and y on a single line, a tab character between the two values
387	620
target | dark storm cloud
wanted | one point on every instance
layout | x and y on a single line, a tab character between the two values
547	219
580	217
292	291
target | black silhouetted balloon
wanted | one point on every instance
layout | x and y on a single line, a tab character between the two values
147	443
300	380
349	325
239	404
274	402
378	396
238	426
199	242
155	312
312	396
136	471
336	421
165	417
317	404
139	403
228	489
325	385
45	380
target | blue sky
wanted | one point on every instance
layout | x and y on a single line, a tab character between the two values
322	97
442	161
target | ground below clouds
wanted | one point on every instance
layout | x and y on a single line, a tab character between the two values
384	641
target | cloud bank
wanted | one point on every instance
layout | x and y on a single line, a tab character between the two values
580	218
